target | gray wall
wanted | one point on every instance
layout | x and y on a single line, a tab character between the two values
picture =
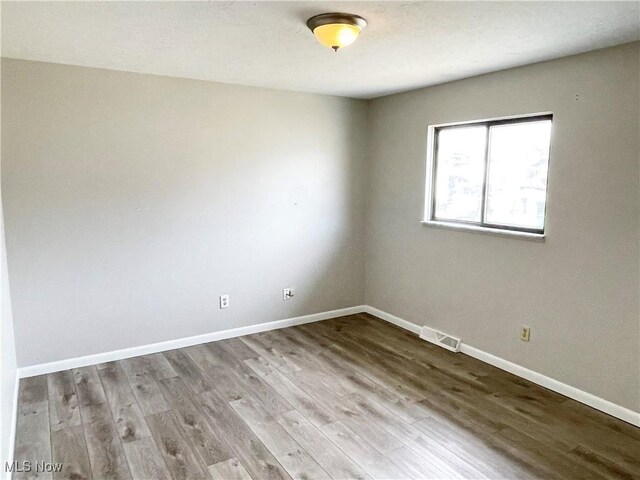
578	291
7	355
133	201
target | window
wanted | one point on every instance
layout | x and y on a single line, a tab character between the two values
490	175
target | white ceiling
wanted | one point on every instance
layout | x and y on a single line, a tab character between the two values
406	45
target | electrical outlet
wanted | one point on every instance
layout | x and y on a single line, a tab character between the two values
525	332
224	301
287	294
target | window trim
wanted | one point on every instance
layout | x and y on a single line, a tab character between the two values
482	226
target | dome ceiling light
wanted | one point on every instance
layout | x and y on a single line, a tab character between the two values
336	30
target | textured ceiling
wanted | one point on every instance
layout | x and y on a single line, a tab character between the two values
406	45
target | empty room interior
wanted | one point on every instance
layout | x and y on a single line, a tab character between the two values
320	240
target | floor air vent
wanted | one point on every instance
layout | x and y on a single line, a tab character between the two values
441	339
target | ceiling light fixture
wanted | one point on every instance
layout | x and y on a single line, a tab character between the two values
336	30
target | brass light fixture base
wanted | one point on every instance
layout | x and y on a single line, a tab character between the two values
328	18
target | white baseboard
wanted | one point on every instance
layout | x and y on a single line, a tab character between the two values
387	317
567	390
77	362
581	396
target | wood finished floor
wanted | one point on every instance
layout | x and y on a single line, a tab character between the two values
352	397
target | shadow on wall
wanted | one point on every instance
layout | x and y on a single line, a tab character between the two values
133	201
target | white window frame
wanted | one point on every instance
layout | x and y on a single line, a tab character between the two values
499	230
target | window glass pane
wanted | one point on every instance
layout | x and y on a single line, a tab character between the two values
517	177
460	173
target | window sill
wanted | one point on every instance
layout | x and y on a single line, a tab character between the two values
532	237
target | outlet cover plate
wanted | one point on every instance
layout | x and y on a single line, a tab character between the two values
224	301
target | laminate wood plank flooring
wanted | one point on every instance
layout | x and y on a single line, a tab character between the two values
352	397
70	450
63	403
230	469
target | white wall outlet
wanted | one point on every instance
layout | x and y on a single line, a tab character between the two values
525	333
224	301
287	294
